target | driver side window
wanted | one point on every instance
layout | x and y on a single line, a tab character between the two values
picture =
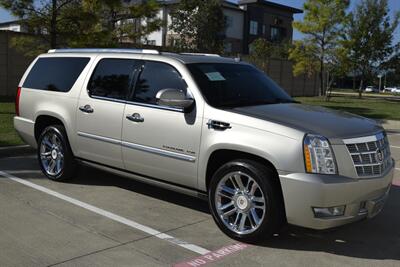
155	77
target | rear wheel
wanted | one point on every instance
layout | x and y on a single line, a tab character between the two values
54	153
245	202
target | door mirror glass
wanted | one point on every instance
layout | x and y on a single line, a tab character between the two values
174	98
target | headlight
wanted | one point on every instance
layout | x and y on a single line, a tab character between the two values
318	155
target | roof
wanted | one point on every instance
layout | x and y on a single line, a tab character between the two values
12	22
271	4
187	58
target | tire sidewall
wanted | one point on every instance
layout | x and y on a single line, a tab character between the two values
60	132
271	218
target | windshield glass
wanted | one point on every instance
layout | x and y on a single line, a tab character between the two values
229	85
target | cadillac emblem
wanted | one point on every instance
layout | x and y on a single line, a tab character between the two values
379	156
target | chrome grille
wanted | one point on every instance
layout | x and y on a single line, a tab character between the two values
371	154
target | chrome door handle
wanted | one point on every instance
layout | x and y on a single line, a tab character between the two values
135	117
86	109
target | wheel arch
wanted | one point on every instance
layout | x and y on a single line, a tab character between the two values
221	156
44	120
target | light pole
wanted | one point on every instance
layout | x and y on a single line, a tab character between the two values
380	82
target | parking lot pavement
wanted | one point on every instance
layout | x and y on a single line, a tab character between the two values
99	219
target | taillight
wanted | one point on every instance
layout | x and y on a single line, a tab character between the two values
17	101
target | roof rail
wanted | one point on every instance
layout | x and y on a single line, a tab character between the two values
104	50
201	54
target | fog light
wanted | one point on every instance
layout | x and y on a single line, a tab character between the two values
329	212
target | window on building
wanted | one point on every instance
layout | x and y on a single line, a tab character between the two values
228	21
228	47
112	78
263	29
277	33
151	42
253	27
149	84
55	73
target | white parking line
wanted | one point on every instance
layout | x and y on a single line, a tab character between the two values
110	215
395	146
397	169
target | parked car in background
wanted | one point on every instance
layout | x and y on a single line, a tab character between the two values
396	90
371	89
389	89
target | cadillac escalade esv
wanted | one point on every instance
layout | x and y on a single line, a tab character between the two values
206	126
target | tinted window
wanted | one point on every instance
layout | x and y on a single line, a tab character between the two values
55	73
155	77
233	85
112	78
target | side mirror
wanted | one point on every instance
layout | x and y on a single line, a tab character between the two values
174	98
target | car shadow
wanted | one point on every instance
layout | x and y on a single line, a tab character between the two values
377	238
92	176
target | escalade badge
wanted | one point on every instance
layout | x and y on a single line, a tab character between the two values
379	156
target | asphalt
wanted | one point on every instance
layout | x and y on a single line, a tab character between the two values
41	229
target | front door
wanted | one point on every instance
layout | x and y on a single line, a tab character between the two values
157	141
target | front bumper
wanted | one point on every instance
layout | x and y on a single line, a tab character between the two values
363	197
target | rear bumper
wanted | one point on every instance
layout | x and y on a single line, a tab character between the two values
303	191
26	130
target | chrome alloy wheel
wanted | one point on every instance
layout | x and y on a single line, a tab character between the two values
52	154
240	202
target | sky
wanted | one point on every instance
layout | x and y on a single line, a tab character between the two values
394	5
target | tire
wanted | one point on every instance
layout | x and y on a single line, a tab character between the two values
263	218
55	156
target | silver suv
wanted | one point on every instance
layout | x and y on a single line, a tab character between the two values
207	126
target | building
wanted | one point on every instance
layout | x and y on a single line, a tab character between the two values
246	21
13	26
268	20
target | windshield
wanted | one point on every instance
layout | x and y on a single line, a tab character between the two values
229	85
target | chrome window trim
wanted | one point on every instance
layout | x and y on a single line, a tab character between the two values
154	106
137	104
153	150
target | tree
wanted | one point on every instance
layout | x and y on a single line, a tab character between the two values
118	23
51	22
200	25
370	37
263	50
322	27
81	23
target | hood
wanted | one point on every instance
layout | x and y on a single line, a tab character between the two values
313	119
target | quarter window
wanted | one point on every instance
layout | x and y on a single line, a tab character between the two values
155	77
112	78
57	74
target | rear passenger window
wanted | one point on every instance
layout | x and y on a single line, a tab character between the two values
55	73
155	77
112	78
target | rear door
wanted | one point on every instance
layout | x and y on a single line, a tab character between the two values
101	108
157	141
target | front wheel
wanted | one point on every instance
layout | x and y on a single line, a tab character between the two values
54	153
245	202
